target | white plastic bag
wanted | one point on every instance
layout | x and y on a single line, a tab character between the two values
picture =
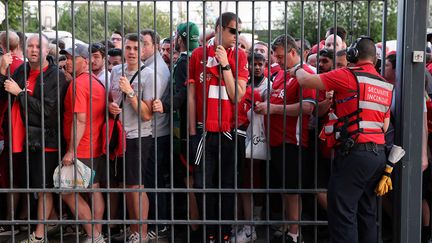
64	176
256	138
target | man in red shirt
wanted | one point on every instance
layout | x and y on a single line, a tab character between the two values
363	100
221	72
85	141
27	100
285	138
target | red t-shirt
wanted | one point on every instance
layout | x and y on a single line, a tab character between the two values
82	105
343	82
196	73
292	128
18	127
16	62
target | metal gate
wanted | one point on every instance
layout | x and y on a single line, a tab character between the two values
158	181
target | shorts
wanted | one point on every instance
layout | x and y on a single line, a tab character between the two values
133	174
291	171
99	166
17	166
36	169
116	171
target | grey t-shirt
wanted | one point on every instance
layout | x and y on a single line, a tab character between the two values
160	121
131	118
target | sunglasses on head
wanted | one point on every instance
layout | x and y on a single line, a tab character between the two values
233	31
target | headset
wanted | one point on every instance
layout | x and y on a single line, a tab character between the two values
352	51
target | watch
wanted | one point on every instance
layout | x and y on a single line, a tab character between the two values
131	94
227	67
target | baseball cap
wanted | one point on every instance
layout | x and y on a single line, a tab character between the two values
80	51
193	34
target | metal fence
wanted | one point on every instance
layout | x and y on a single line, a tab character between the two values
179	197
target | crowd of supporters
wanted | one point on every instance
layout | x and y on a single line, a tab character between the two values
204	93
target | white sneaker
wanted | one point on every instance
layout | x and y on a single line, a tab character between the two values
33	239
244	235
135	238
91	239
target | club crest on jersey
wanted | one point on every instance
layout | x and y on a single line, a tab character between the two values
209	76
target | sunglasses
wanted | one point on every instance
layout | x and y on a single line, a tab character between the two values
233	31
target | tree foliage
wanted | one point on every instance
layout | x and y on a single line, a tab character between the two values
114	20
353	18
15	17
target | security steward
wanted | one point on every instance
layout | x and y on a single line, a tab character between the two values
362	99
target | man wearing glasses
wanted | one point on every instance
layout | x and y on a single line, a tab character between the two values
222	90
116	39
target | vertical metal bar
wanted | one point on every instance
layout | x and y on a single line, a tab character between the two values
368	17
188	158
89	16
251	161
107	131
155	135
334	34
203	176
316	131
27	195
383	37
235	119
408	206
300	151
171	87
123	118
141	179
59	119
410	36
219	186
383	61
352	22
267	117
284	68
44	217
74	123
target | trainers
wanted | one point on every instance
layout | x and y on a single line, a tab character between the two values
32	239
162	233
120	236
211	239
226	239
285	238
92	239
135	238
7	230
244	235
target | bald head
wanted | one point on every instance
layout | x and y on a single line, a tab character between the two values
13	40
329	42
45	41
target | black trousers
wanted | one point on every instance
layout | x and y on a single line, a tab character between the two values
352	208
214	210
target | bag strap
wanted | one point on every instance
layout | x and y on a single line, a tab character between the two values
130	82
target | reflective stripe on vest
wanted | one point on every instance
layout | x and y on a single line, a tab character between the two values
371	124
376	82
373	106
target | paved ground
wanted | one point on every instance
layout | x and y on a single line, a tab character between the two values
180	237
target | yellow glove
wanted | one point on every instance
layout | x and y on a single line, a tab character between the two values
385	184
